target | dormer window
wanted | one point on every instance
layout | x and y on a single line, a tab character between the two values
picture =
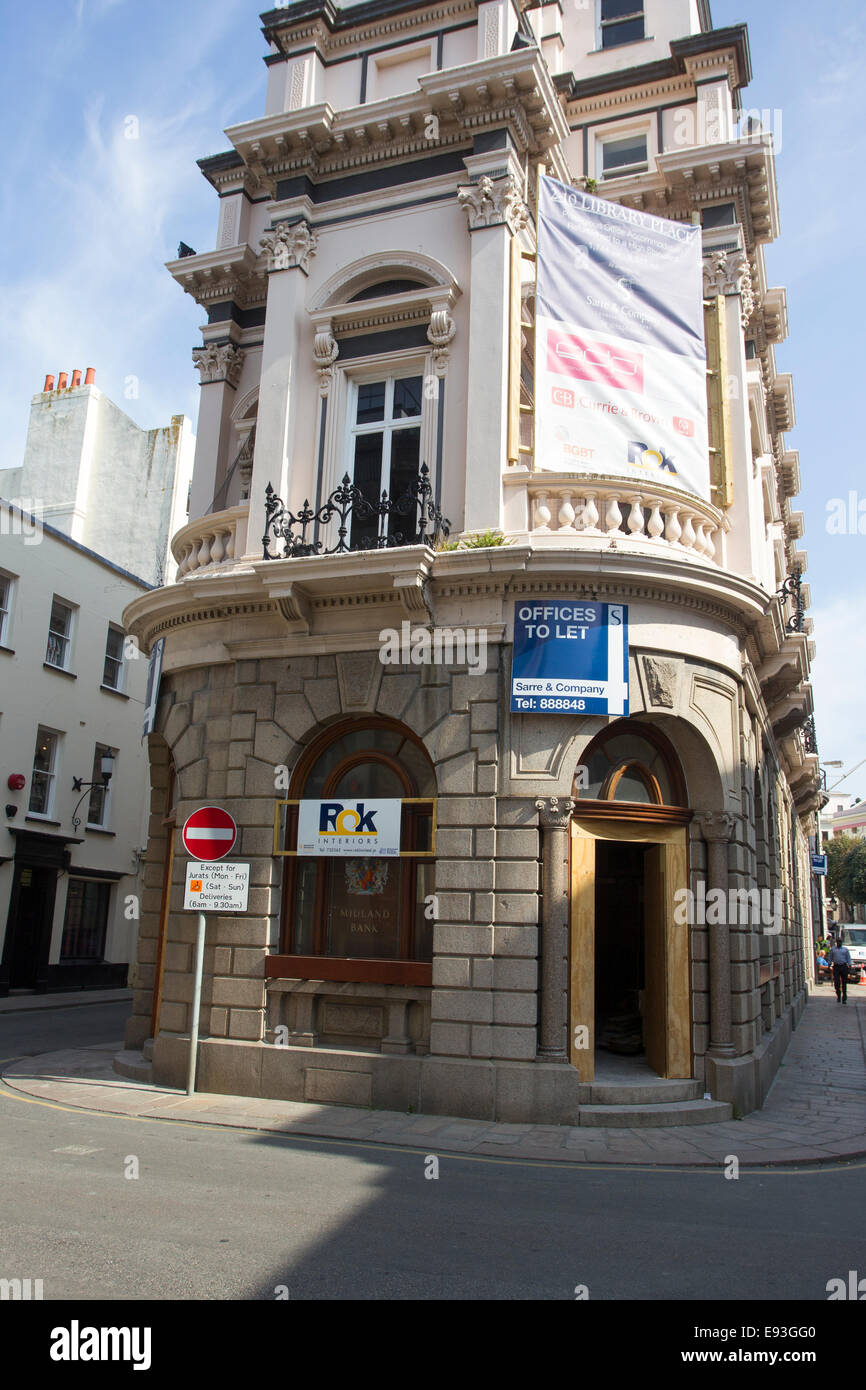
622	21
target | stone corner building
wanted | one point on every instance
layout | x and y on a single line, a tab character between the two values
370	307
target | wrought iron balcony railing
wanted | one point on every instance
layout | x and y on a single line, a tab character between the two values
361	524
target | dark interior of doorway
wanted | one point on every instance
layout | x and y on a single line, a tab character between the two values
619	946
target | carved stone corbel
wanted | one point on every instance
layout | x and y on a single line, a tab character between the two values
326	350
293	601
440	333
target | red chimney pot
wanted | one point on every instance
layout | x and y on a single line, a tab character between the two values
49	384
61	381
76	377
90	376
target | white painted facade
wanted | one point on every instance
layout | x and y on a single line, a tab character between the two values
83	449
38	566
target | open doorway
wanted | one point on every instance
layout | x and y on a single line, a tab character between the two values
620	956
629	967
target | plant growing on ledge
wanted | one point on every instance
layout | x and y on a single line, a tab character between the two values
589	184
476	540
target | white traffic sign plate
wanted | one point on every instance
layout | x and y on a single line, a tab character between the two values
209	833
216	887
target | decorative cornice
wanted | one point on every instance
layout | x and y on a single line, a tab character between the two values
219	362
494	203
290	246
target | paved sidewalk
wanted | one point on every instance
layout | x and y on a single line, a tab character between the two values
816	1109
62	999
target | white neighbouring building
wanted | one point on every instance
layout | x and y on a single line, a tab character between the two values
371	308
71	692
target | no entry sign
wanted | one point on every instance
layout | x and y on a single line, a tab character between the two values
209	833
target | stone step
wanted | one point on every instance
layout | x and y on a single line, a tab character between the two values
133	1065
658	1092
147	1050
682	1112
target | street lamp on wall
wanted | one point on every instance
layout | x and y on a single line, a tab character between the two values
106	767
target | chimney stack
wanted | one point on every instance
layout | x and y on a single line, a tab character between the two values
61	381
90	377
49	384
76	377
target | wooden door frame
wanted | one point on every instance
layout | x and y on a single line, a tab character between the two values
584	833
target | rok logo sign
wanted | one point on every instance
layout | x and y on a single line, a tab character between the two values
570	657
368	828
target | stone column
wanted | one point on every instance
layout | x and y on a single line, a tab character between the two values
495	212
716	829
554	814
220	368
289	247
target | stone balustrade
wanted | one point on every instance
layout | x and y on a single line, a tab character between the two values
211	540
563	507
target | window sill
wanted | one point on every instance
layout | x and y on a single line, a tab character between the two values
615	47
100	830
10	651
42	820
385	972
59	670
111	690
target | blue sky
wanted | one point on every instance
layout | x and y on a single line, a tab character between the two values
90	216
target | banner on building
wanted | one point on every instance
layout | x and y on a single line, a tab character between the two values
570	657
620	359
370	827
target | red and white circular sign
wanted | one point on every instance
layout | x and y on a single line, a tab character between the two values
209	833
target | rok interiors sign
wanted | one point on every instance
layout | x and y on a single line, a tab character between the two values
368	828
570	657
620	356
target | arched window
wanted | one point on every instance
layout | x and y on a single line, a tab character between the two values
362	910
632	763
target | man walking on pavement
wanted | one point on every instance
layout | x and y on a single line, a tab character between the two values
840	959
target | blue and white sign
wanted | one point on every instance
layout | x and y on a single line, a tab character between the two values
570	656
819	863
620	356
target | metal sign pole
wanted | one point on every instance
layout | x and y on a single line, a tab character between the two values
196	1003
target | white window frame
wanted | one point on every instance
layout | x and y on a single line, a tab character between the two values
602	24
67	638
612	137
50	774
339	453
99	751
7	593
121	670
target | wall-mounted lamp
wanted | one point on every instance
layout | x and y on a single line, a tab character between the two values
12	812
106	767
